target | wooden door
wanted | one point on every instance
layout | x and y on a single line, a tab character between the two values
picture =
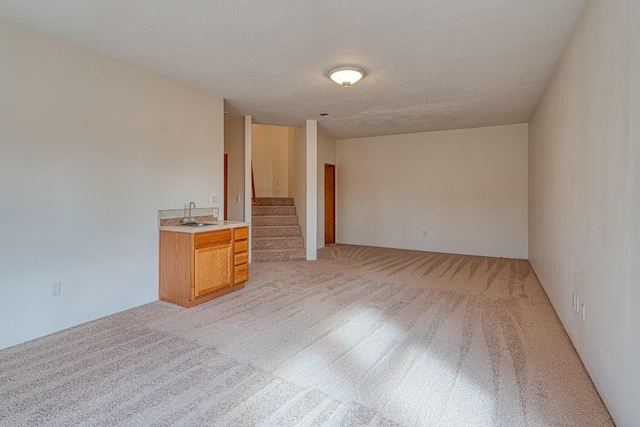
329	203
226	173
212	269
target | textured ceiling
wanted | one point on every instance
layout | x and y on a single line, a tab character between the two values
432	64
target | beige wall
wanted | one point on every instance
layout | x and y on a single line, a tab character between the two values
234	147
326	154
300	176
262	160
270	153
584	189
291	172
280	179
90	150
466	188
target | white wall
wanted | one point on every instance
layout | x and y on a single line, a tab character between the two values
91	149
306	183
234	147
326	154
584	205
466	188
312	189
248	190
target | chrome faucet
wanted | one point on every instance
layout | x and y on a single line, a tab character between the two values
190	219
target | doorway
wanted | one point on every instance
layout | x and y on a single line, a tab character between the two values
329	203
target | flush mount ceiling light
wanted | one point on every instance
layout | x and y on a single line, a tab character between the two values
346	75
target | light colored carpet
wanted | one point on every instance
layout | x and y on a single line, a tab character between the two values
363	336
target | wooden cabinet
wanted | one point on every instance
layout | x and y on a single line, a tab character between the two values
241	255
212	269
197	267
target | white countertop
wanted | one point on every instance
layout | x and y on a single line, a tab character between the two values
212	226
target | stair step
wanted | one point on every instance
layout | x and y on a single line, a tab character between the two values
275	231
274	201
277	242
274	220
291	254
272	210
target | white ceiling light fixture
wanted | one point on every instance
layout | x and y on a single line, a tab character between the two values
346	75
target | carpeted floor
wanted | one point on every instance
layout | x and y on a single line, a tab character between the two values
363	336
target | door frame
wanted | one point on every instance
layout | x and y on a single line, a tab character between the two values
226	184
329	204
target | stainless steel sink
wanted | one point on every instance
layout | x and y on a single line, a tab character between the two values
194	224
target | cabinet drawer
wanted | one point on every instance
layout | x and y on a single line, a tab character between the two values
241	246
213	238
242	233
241	258
241	273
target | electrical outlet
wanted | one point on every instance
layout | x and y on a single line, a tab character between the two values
579	306
237	197
214	199
425	233
56	288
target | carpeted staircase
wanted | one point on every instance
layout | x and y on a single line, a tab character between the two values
275	233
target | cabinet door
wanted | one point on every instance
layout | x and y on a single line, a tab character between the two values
212	269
